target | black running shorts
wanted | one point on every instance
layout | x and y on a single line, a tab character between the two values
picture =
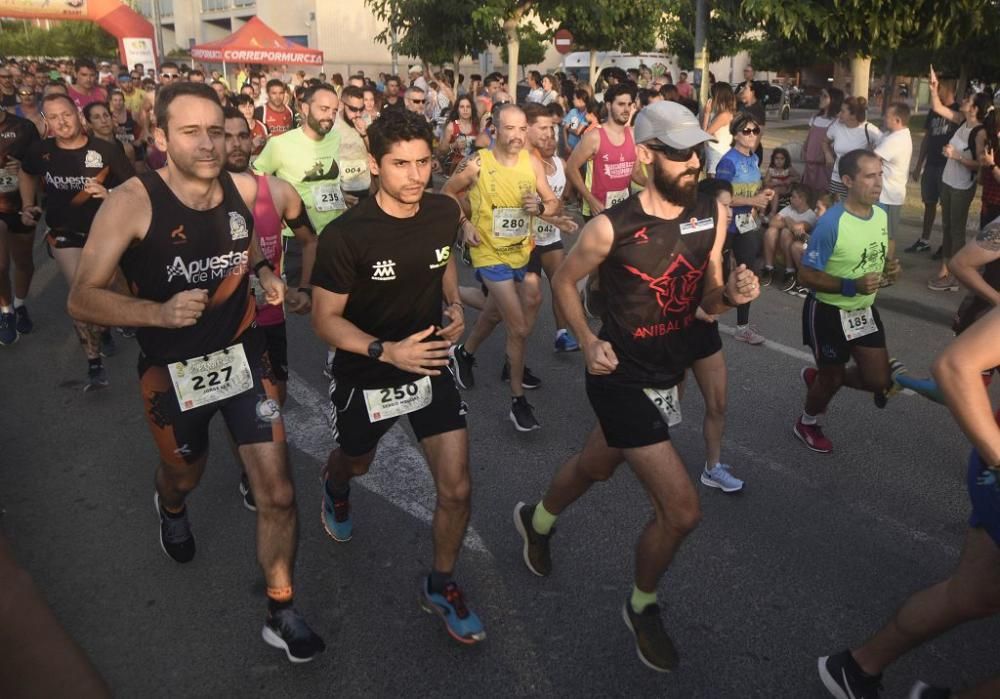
66	239
276	337
627	416
704	339
252	417
15	224
535	261
823	332
357	435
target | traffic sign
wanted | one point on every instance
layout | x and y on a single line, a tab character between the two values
564	41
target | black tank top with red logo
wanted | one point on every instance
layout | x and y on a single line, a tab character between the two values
188	249
652	281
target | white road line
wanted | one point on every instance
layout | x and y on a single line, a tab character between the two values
399	473
776	346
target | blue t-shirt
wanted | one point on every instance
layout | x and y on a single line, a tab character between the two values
743	172
572	121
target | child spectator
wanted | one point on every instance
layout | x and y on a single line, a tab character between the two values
790	229
780	176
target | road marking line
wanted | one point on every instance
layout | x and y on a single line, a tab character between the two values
399	473
776	346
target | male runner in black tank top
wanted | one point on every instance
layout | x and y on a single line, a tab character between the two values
184	238
659	257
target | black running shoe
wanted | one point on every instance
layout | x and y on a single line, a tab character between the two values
766	276
529	381
536	546
653	645
108	346
938	254
919	246
248	501
24	324
922	690
176	539
788	282
97	378
522	415
126	332
844	679
287	630
461	362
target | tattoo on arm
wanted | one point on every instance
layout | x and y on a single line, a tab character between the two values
989	239
472	158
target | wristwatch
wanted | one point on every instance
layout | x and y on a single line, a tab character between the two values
375	349
263	263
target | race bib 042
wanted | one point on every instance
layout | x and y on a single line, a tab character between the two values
546	233
209	379
667	402
387	403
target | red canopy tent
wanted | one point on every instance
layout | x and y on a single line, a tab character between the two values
255	42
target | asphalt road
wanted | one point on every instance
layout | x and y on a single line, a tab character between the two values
812	557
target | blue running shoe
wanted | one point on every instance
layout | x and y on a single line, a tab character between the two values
565	342
461	622
24	324
336	516
8	329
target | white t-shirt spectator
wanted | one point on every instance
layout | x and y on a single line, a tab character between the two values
808	216
846	139
536	95
956	175
896	150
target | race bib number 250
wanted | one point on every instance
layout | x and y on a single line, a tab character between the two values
387	403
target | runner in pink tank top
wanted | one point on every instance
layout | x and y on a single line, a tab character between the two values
611	171
268	225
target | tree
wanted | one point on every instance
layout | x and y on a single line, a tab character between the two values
533	45
506	15
727	28
857	29
773	52
19	38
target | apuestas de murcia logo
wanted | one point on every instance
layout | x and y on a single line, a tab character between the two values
93	159
207	268
237	225
442	255
384	271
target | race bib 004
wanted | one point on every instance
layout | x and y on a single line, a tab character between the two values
857	323
328	197
387	403
510	222
612	198
209	379
667	402
351	170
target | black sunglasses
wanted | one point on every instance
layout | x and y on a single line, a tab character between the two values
356	110
755	131
418	101
678	155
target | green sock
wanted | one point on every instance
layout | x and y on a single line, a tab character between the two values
640	600
542	520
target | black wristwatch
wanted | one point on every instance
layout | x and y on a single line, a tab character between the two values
263	263
375	349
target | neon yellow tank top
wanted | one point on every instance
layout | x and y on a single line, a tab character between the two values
498	214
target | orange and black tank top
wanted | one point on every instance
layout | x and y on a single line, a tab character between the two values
189	249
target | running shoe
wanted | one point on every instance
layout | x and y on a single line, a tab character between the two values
108	346
8	329
939	253
287	629
809	375
565	342
652	644
461	362
844	679
812	436
789	282
522	415
922	690
328	366
24	324
248	501
536	546
800	290
749	335
97	378
126	332
529	381
719	477
948	283
919	246
766	276
460	622
336	516
176	539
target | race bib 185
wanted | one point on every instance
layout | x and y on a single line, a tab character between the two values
857	323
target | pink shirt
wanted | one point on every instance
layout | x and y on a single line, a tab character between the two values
267	225
82	100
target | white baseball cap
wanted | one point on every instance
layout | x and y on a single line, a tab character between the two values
670	123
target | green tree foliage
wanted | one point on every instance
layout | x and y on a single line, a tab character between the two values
727	29
435	30
533	47
19	38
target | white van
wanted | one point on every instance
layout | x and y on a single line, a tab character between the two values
578	63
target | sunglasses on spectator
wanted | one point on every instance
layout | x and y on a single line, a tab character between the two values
355	110
417	101
169	76
677	155
754	131
26	93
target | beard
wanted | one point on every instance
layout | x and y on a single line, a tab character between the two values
322	128
237	161
672	189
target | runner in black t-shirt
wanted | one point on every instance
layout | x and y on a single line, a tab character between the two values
16	239
659	257
76	172
385	285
